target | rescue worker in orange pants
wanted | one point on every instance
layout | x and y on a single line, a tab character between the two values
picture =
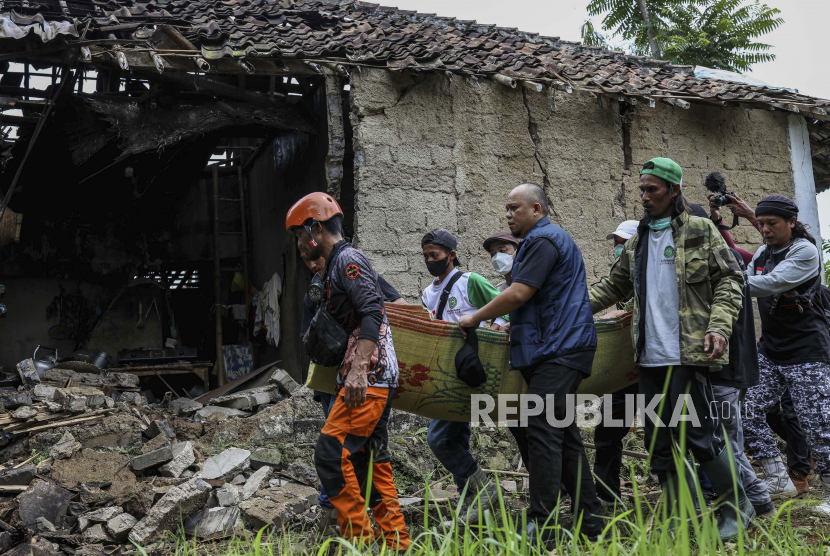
350	329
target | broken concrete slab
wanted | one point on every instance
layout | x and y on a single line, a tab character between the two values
227	464
239	480
248	399
28	373
120	526
282	380
160	427
139	502
151	459
213	522
65	447
13	400
96	401
171	510
265	456
24	412
44	525
254	481
184	407
121	380
61	376
101	515
133	398
276	507
183	457
296	419
97	534
20	476
155	443
43	500
69	401
209	410
42	392
228	495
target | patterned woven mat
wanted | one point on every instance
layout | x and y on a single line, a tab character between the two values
426	357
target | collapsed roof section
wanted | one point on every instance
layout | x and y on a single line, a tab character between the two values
282	37
357	33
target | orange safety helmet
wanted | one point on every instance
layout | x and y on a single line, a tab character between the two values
317	205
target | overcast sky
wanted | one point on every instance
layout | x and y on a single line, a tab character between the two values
800	44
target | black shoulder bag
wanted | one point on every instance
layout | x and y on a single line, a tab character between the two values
445	295
327	340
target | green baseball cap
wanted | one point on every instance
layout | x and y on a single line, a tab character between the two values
664	168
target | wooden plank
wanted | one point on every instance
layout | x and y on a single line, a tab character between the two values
234	384
68	422
22	463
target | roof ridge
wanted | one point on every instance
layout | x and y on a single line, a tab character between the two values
529	36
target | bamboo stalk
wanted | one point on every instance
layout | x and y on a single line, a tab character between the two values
65	423
432	484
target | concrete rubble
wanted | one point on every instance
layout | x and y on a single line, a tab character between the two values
86	467
183	457
227	464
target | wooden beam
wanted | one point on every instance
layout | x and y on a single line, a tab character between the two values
19	120
22	91
139	128
201	84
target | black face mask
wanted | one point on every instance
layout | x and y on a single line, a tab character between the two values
437	268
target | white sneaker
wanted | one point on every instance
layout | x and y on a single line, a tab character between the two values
823	509
778	481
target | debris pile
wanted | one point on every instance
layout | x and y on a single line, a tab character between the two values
88	466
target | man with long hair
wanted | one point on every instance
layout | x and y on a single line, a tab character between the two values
785	276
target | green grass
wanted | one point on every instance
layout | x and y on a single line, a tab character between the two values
646	529
643	530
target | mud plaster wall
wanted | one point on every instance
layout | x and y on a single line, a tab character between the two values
433	151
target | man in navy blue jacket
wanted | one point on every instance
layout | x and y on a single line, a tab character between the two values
552	343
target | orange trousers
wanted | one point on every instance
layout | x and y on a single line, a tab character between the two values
349	441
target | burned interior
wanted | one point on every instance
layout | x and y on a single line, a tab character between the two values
160	181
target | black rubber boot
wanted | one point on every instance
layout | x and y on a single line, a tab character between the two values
720	474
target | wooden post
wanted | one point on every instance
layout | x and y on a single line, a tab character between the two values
242	209
217	284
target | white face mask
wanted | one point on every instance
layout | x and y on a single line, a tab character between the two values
502	263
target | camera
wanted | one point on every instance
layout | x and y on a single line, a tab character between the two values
716	183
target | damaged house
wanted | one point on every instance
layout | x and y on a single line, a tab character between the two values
152	149
150	152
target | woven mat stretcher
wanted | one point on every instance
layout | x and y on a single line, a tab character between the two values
426	357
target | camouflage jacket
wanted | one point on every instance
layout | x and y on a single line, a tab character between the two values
710	284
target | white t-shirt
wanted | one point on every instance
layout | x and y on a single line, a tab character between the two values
662	345
470	293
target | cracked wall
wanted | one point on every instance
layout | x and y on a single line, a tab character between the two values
439	151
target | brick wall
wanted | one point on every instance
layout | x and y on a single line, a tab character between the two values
434	151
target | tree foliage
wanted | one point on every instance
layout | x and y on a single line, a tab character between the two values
714	33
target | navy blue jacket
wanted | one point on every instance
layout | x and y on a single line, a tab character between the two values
557	319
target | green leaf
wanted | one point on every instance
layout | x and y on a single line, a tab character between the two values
714	33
